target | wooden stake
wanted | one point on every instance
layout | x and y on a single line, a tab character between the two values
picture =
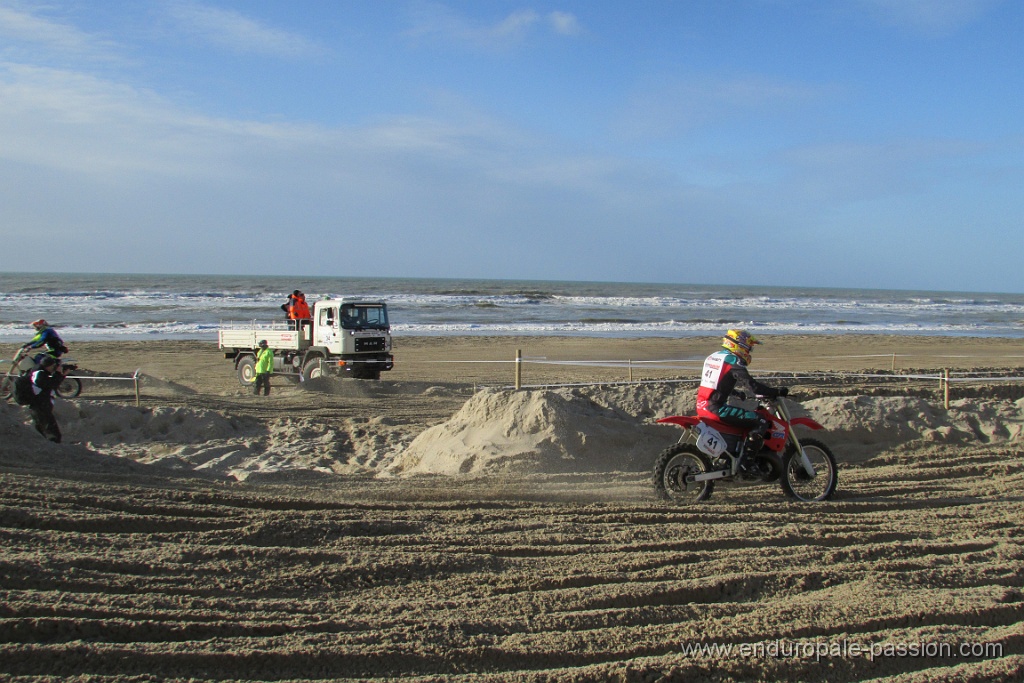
945	375
519	369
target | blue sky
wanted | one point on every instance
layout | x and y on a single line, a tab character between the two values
855	143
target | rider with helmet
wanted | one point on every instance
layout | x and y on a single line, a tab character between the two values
45	380
728	393
48	337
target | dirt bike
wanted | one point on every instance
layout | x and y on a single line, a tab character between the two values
23	362
710	451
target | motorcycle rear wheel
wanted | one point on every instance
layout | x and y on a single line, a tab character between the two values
71	387
670	472
798	484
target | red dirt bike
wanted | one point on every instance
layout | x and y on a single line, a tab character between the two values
709	451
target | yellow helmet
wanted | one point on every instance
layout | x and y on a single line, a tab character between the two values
740	343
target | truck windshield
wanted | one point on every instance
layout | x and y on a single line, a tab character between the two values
363	317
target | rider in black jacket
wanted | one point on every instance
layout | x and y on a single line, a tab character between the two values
45	381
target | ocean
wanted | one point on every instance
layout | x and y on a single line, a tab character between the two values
109	307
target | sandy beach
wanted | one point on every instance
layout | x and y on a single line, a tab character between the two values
438	525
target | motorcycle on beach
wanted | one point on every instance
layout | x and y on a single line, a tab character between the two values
710	451
22	362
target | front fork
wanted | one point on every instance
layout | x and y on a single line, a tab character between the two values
804	460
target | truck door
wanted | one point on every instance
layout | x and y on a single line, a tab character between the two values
327	328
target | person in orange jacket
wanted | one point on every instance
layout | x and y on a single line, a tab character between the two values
299	309
296	307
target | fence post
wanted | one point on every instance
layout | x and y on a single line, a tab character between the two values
945	376
519	369
629	362
894	361
135	378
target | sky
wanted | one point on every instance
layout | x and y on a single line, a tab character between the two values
818	143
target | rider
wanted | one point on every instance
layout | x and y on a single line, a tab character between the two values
727	391
45	336
45	380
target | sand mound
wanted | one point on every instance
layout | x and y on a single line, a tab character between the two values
533	431
206	442
23	448
645	401
860	427
108	423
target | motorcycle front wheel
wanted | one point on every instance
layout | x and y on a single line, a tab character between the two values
798	484
671	469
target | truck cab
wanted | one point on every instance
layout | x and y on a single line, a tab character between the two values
366	323
353	336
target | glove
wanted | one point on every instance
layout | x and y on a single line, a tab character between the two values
783	391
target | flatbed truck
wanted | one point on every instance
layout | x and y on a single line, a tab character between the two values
345	337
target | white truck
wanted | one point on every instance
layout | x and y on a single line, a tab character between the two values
347	337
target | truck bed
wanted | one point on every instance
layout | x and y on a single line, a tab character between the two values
278	335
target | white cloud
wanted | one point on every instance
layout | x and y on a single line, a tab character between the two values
82	124
514	25
440	23
564	23
25	30
239	33
931	17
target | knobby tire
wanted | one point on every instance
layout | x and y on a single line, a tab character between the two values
795	482
673	464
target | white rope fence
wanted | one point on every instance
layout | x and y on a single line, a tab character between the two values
945	377
134	379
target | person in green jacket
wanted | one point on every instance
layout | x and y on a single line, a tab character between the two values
264	366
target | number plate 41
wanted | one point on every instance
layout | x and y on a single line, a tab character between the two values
710	441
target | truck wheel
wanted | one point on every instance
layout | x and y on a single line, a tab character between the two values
313	369
246	370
